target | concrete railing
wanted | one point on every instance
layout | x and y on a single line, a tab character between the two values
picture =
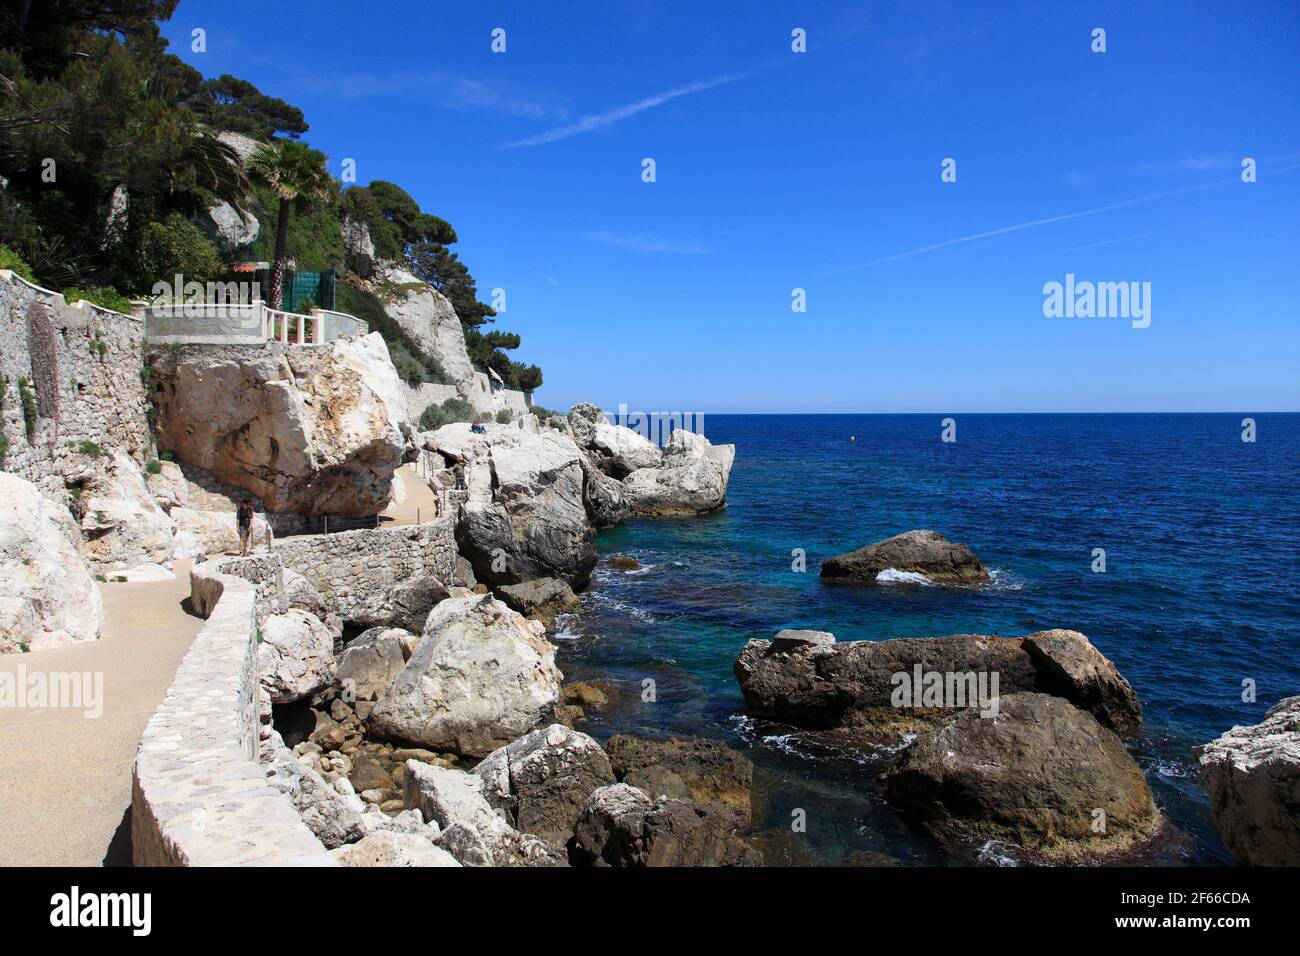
199	795
244	323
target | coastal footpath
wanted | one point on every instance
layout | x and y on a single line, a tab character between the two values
364	689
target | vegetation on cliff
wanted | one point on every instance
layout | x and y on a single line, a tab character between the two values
112	154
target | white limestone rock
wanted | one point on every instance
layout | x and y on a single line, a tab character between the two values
691	479
481	676
296	656
48	596
122	523
387	848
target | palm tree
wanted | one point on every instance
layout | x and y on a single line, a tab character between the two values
296	173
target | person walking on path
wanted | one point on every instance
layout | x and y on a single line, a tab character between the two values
245	516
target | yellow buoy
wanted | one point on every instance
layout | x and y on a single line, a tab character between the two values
853	438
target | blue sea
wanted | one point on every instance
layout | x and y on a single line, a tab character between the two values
1201	533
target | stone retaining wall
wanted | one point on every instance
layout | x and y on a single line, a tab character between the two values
199	795
371	576
100	397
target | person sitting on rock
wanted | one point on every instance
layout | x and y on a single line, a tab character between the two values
245	519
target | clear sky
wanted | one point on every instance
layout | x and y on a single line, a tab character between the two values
778	170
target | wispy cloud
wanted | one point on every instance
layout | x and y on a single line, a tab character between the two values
609	117
645	242
1020	226
1111	242
439	89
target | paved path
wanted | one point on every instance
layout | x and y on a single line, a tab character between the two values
65	779
418	502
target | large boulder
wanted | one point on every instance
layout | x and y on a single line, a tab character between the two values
373	660
525	516
47	594
1042	774
621	825
926	553
602	496
690	479
122	524
389	848
693	768
295	657
471	831
1253	777
481	676
309	430
541	780
541	599
807	679
1070	667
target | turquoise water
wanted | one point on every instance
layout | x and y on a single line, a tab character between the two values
1202	542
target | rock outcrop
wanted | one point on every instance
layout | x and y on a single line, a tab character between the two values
926	553
1253	778
541	599
615	449
387	848
309	430
525	517
372	662
47	594
471	831
1042	774
691	769
621	825
690	479
296	656
122	524
541	780
807	679
481	676
229	230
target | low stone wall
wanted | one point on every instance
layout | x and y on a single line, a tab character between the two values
419	397
371	576
199	795
98	356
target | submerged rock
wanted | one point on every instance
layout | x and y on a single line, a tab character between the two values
1253	778
711	771
481	676
916	552
1042	774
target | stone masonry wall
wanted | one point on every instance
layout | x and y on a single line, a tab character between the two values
364	575
199	795
100	395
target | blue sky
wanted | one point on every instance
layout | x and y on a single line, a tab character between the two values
821	171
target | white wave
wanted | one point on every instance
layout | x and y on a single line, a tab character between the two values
895	576
644	569
997	853
1002	581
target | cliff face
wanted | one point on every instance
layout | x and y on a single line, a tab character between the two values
309	430
430	320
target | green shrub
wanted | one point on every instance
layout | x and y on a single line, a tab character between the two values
4	445
160	250
11	260
503	417
154	467
89	448
452	410
28	399
106	297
